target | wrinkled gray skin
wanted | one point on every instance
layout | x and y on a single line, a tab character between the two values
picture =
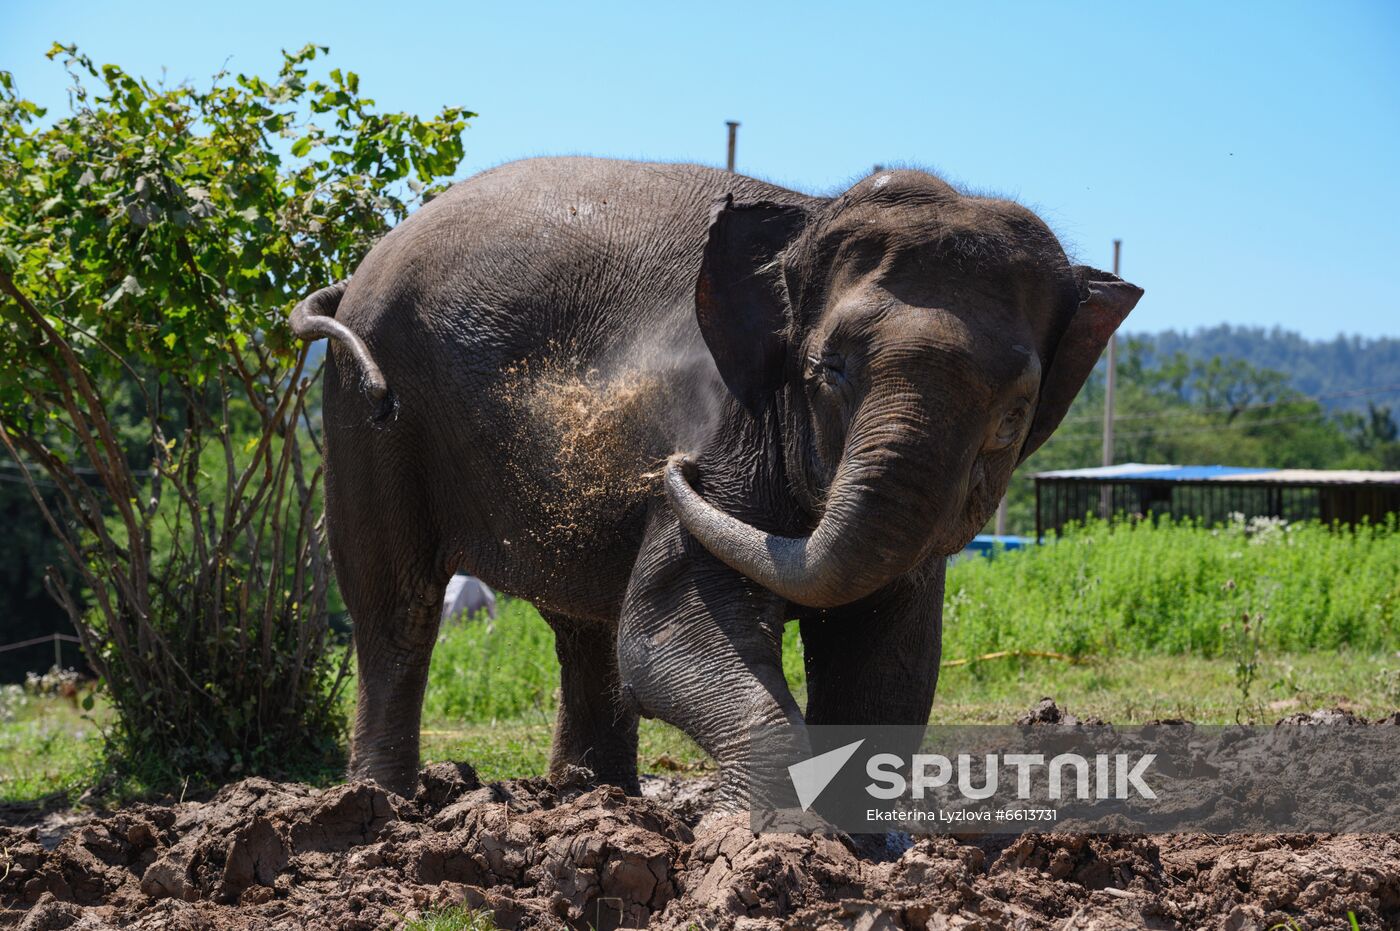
851	382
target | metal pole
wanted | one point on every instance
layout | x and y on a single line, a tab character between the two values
1110	389
57	652
1001	516
1111	384
733	132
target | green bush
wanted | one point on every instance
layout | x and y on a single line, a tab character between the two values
152	242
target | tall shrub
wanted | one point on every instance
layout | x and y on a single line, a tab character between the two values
152	241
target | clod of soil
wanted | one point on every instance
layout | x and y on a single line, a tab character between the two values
264	855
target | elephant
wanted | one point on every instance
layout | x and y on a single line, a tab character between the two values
676	408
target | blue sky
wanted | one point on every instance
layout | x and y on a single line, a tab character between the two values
1246	153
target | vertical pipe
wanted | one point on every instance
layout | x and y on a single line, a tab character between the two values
733	134
1110	388
1001	515
1111	384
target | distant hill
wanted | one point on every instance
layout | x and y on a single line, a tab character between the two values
1321	369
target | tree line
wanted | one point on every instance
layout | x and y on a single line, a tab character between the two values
1347	372
1211	408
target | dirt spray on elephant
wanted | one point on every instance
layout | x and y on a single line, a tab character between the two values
599	424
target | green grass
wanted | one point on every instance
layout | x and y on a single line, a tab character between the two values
1135	690
1175	588
1127	691
48	746
1146	610
452	918
503	671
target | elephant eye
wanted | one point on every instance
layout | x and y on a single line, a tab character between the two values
1013	424
829	368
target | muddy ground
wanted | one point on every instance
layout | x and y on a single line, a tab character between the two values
267	855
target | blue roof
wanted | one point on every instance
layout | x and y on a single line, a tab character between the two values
1127	472
989	544
986	541
1198	473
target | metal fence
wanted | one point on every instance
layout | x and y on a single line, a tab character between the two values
57	639
1060	501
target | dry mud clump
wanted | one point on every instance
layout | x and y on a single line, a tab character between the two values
263	855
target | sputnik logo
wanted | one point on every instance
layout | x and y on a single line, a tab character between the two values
811	776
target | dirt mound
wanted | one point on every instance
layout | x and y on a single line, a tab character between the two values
267	855
263	855
1047	712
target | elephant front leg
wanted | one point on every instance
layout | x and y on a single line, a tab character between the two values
700	647
875	661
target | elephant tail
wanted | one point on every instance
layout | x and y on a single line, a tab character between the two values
314	318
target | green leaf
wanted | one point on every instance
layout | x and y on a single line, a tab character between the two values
301	146
129	286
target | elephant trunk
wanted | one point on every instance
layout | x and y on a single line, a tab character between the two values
878	523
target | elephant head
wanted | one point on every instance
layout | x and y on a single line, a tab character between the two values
916	344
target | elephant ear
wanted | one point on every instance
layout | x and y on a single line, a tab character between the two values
1106	301
740	302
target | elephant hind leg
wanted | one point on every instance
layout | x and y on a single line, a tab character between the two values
392	575
395	628
594	729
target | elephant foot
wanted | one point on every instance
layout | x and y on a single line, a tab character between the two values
401	779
